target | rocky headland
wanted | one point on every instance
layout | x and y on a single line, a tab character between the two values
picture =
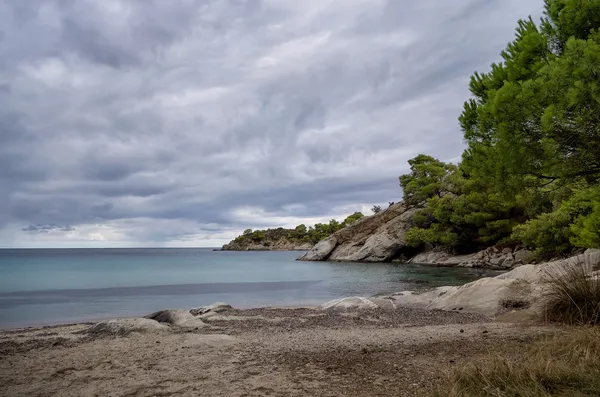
380	238
283	244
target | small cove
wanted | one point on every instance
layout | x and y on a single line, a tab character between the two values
51	286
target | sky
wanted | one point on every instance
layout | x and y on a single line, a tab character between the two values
133	123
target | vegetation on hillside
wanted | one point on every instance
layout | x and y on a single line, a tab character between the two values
299	235
530	172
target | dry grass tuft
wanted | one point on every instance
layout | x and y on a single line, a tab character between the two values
573	296
566	365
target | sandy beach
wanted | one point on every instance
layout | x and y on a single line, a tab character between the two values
259	352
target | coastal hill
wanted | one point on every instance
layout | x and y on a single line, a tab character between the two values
527	187
300	238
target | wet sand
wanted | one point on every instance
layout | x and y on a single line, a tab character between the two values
259	352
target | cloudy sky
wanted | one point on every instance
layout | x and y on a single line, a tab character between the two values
183	122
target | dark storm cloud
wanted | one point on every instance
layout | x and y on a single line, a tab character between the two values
188	120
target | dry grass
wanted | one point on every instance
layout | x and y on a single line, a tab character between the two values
573	296
566	365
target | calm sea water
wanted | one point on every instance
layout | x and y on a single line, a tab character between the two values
49	286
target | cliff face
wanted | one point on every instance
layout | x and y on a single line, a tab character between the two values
376	238
282	244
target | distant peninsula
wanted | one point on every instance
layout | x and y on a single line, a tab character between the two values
300	238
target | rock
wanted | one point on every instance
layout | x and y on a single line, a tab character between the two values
376	238
482	296
479	255
350	303
217	307
421	300
590	260
493	258
522	256
520	290
509	262
180	318
321	251
429	258
125	326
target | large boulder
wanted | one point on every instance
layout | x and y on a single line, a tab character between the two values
321	251
126	326
484	296
376	238
590	260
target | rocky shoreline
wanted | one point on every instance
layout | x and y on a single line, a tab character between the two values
380	238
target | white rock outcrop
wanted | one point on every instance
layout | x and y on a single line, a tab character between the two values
376	238
521	288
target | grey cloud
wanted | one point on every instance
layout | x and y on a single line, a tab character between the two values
47	228
160	119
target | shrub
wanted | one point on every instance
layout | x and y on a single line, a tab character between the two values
573	296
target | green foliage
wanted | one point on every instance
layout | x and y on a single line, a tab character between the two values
531	169
548	234
574	222
301	234
351	219
426	179
586	229
376	209
465	215
534	118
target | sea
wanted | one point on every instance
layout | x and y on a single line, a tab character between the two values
58	286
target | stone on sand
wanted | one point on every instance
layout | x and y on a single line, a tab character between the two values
180	318
125	326
349	303
217	307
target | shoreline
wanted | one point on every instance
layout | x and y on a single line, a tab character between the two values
256	352
402	344
93	320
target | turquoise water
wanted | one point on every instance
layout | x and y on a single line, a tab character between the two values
49	286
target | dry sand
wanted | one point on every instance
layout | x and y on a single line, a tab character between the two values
260	352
